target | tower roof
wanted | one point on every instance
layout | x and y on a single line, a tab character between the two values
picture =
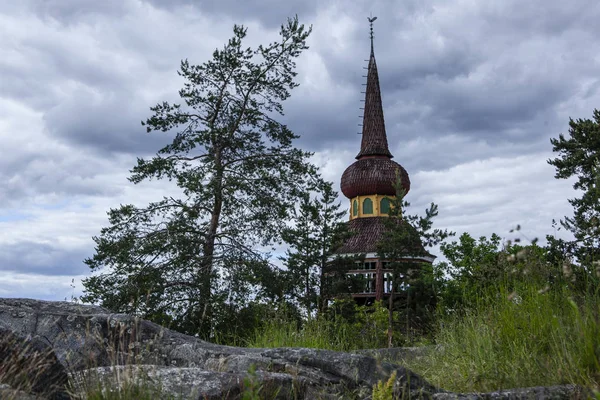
373	175
367	232
374	172
374	139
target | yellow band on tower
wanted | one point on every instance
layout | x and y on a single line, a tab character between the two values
373	205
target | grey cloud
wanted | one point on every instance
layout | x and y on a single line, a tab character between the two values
486	111
72	11
106	124
542	17
484	81
271	13
57	173
41	258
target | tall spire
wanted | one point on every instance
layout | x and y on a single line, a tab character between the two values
374	138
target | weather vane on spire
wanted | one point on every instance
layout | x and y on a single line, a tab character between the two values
371	19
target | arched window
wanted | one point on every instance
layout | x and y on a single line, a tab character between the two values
384	205
355	208
367	206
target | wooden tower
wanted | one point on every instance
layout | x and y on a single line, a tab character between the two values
368	183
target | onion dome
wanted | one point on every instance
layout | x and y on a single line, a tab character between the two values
374	172
373	176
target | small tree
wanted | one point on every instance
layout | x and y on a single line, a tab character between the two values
579	156
401	247
182	259
311	241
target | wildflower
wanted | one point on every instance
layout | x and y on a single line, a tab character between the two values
515	298
544	290
521	254
567	270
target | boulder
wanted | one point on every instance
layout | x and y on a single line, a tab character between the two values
558	392
88	339
27	364
400	354
7	392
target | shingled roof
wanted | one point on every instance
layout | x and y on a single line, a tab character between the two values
374	172
367	232
373	176
374	139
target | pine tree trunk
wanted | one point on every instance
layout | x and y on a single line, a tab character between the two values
209	247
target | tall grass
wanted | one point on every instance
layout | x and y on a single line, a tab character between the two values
526	337
367	330
316	334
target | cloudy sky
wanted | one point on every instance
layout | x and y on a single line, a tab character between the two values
472	90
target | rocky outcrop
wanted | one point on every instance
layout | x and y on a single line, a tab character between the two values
90	341
8	392
27	364
571	392
399	355
103	349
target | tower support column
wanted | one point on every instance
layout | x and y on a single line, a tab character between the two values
379	281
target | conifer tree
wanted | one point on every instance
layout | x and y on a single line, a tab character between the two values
402	245
579	156
316	232
185	259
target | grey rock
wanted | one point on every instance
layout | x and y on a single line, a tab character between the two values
558	392
86	338
7	392
30	365
194	383
399	354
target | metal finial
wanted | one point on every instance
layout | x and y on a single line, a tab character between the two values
371	20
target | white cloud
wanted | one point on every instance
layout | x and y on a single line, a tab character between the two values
472	93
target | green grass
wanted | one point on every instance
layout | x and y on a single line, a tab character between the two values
524	337
314	334
527	337
367	331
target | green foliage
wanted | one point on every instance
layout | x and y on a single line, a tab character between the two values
517	337
252	387
190	260
475	267
236	326
384	391
579	156
413	281
345	327
316	233
468	257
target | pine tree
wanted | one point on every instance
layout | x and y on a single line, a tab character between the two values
401	247
579	156
312	239
185	260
